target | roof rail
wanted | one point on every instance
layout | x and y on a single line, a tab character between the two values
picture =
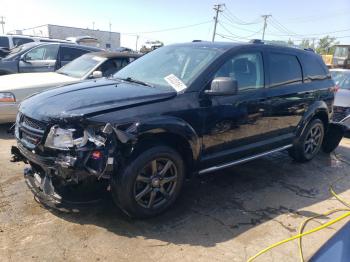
194	41
256	41
309	49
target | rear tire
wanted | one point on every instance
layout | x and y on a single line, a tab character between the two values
150	183
309	143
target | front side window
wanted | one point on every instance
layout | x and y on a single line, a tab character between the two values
17	41
46	52
4	42
246	69
69	54
285	69
170	66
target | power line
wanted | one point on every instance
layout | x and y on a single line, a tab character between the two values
239	21
168	29
237	36
218	10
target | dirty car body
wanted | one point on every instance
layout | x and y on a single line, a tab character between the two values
183	109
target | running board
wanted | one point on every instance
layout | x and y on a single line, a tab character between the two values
243	160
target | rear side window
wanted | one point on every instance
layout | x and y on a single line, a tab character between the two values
4	42
285	69
17	41
313	69
69	54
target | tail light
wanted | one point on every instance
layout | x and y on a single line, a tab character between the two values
334	89
7	97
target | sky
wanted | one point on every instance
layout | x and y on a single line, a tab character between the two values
189	20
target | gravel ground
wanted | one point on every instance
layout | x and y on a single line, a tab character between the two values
225	216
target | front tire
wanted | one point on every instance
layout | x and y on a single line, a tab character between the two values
309	143
150	183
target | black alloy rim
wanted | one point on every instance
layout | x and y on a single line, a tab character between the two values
155	184
313	140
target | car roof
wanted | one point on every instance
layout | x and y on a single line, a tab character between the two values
257	43
105	54
31	44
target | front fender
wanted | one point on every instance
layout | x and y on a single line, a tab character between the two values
170	125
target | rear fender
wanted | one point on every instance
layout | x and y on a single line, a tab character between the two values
317	108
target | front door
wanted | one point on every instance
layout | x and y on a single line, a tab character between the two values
39	59
236	126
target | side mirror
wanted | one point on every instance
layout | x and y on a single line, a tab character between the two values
23	58
96	74
223	86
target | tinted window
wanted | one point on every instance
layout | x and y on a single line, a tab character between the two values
284	69
313	69
69	54
247	69
4	42
46	52
112	66
17	41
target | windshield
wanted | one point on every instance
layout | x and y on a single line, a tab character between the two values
338	76
341	52
345	83
79	67
172	67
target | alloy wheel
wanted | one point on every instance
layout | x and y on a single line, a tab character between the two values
313	140
155	184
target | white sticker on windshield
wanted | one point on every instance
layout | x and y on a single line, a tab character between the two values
97	58
175	82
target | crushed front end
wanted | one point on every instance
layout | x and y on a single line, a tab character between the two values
66	155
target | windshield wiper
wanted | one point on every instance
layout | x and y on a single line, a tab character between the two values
133	80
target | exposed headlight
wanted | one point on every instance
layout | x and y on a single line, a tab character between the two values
63	139
7	97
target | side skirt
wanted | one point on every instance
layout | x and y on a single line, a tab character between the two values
243	160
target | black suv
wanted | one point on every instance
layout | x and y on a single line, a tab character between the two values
41	57
182	109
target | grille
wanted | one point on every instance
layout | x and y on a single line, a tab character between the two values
33	123
30	131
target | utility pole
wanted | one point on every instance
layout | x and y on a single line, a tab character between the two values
265	25
93	25
217	9
2	22
137	40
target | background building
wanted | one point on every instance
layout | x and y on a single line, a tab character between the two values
106	39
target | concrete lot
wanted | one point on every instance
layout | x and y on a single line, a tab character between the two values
226	216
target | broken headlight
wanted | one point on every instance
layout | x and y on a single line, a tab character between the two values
63	139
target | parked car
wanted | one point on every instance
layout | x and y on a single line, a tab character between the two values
15	87
41	57
341	57
8	42
182	109
341	106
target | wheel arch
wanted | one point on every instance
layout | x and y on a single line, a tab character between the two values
173	132
319	109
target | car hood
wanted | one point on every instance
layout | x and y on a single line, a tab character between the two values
342	98
90	97
15	82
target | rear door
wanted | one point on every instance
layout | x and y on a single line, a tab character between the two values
67	54
39	59
287	99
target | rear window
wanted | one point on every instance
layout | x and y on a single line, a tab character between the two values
341	51
4	42
313	69
69	54
285	69
17	41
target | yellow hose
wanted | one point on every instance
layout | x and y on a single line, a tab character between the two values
302	226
